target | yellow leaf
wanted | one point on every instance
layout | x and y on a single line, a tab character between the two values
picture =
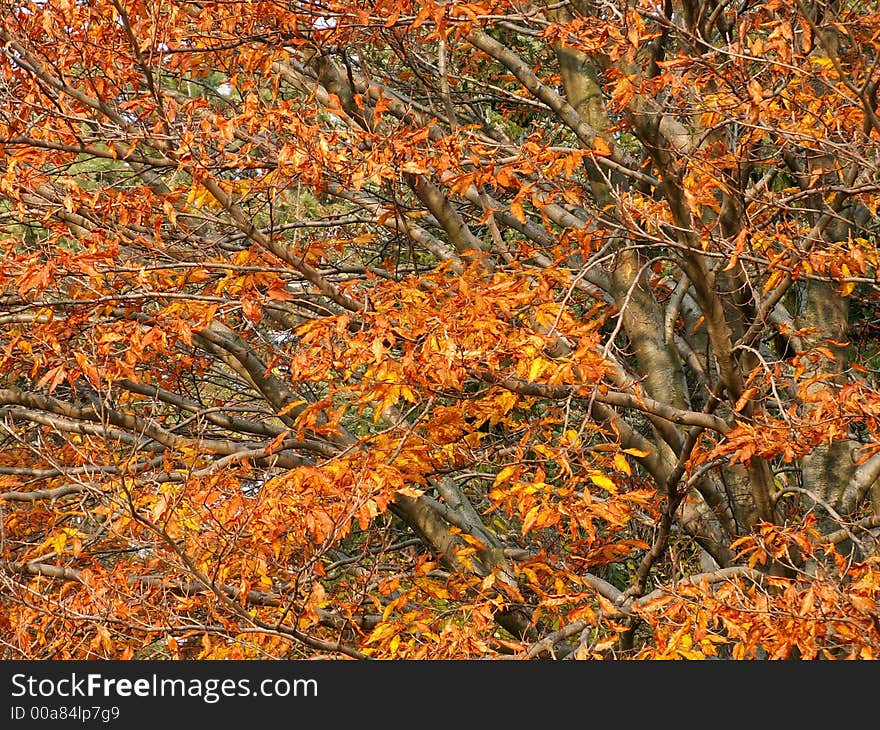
600	480
530	518
622	464
411	492
638	453
774	278
690	654
57	542
504	475
535	368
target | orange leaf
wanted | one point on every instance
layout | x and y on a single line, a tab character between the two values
600	147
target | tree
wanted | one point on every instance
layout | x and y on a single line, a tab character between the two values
439	329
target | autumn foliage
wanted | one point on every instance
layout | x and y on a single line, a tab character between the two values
439	330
